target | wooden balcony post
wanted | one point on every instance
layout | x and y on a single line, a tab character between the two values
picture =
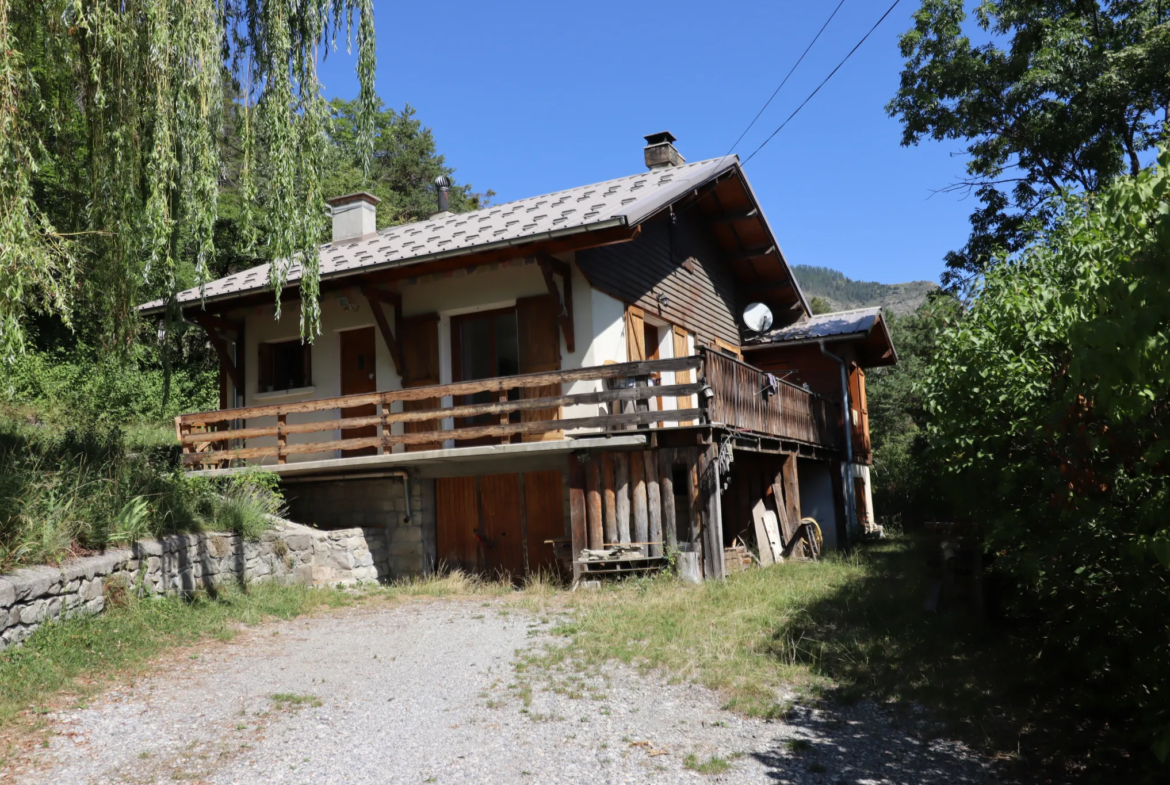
281	438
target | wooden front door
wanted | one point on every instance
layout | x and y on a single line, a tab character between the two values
358	376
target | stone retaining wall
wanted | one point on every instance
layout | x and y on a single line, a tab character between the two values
183	563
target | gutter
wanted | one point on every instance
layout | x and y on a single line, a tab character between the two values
847	469
611	223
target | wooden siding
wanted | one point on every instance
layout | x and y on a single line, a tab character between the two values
703	301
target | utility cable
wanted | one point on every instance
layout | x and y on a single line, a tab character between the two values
823	83
785	81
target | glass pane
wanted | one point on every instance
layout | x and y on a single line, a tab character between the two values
507	345
475	349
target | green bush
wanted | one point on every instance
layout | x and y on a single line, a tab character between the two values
1049	404
84	384
88	488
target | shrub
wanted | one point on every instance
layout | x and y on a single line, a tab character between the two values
87	488
1049	403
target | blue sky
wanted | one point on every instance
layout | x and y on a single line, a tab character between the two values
527	98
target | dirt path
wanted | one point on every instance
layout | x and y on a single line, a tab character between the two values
427	692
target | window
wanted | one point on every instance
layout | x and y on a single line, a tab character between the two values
285	365
485	346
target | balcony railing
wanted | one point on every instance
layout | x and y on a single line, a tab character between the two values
735	399
743	401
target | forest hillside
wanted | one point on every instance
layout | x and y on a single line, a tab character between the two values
842	293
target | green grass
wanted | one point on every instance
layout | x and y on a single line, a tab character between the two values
731	636
285	700
713	765
847	629
82	655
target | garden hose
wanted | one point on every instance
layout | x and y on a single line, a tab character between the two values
817	528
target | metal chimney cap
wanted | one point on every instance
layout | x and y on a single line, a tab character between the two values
442	181
661	137
359	196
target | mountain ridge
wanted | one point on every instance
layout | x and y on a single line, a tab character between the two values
843	293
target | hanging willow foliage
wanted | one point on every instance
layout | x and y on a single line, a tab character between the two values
149	80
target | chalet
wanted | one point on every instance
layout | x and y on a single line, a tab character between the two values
501	389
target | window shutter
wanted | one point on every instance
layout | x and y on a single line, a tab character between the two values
540	350
420	356
682	349
635	334
264	368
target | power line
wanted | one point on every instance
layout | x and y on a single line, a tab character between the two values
786	76
822	84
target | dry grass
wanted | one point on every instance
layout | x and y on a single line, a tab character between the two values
738	637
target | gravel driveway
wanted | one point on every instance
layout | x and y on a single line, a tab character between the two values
427	692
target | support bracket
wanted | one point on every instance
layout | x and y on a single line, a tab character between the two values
550	265
375	296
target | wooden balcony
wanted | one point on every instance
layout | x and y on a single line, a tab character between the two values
728	393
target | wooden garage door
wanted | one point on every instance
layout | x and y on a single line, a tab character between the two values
544	507
457	502
499	507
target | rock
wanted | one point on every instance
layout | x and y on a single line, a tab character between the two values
34	581
7	593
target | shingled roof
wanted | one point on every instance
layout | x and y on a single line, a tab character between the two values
626	201
866	326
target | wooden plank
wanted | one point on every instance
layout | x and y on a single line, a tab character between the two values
666	459
692	492
601	421
791	491
578	528
654	500
609	497
701	483
767	534
641	531
787	525
627	393
713	541
618	370
621	475
593	503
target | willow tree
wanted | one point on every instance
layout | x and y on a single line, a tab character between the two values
148	85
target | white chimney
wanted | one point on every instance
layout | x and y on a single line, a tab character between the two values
354	216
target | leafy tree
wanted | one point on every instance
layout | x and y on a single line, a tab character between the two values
820	305
402	169
1049	404
111	123
1063	98
906	473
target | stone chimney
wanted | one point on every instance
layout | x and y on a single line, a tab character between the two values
354	215
660	152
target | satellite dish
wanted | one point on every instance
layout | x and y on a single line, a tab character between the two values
757	317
